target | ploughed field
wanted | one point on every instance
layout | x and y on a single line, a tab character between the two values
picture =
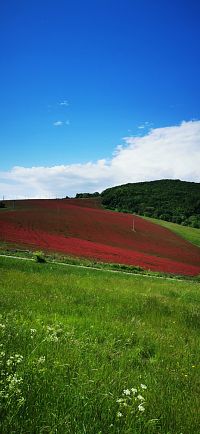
81	228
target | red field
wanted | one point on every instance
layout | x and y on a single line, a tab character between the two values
79	227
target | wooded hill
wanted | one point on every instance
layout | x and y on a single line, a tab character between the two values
172	200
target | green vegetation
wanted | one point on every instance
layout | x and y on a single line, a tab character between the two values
171	200
76	343
87	195
6	249
190	234
39	256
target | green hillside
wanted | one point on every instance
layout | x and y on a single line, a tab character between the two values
86	351
171	200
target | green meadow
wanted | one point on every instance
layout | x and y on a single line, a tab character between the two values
95	352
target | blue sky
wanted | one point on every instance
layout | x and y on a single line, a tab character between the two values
79	76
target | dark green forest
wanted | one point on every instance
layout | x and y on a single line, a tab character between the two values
172	200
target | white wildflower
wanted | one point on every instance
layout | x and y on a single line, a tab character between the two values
41	359
134	391
52	333
10	361
154	421
33	331
140	397
21	400
18	358
13	381
131	401
126	392
52	338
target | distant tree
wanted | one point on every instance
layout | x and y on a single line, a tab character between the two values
87	195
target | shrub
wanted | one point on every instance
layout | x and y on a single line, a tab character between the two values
39	257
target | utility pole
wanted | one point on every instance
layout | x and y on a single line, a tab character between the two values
133	227
58	217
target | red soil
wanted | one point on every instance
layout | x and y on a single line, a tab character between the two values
81	228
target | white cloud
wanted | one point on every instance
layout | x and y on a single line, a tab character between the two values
58	123
170	152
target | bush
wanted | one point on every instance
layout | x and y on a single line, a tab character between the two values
39	257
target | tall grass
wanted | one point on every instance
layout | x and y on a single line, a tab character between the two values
76	343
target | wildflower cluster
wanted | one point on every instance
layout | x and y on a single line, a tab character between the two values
2	327
53	333
33	332
14	360
38	366
10	380
41	360
132	402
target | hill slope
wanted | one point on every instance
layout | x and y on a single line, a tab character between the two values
68	226
171	200
187	232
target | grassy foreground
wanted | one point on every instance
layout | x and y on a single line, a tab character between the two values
77	343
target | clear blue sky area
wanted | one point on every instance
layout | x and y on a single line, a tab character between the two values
78	76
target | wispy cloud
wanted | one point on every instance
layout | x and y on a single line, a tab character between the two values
169	152
58	123
64	103
61	123
146	125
